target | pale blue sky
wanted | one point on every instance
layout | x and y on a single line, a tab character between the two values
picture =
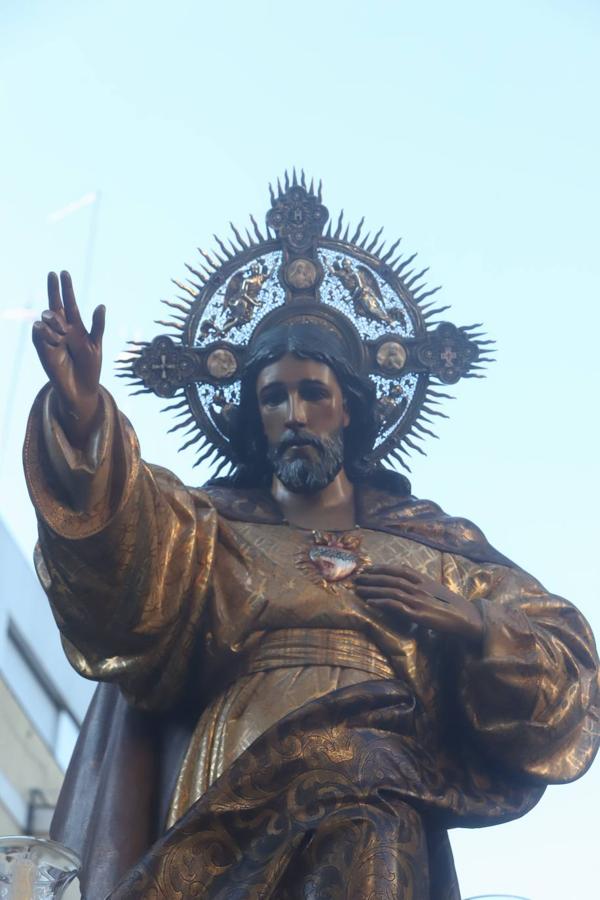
469	128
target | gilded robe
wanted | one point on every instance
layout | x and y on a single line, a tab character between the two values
261	735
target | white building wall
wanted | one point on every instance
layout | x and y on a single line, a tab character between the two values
24	604
42	700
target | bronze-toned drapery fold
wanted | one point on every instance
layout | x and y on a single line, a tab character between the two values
287	731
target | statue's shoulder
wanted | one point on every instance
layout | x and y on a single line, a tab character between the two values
425	522
381	504
377	504
243	504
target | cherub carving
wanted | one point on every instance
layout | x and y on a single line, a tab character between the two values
390	405
241	296
365	292
221	410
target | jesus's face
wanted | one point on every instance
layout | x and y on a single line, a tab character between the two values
303	415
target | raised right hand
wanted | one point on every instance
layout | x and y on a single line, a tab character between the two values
71	357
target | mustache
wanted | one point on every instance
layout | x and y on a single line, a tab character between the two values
298	439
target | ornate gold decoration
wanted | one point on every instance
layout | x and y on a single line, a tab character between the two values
391	355
364	292
301	274
221	363
241	297
307	265
332	560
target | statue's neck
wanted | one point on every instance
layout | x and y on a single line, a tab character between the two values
331	509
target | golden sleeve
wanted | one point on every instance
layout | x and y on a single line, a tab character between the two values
531	694
125	554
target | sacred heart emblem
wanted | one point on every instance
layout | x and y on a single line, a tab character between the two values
333	559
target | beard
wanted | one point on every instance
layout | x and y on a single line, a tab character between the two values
307	476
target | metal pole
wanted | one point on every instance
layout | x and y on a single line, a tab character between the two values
90	250
12	388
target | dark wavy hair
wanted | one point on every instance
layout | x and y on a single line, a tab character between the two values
307	340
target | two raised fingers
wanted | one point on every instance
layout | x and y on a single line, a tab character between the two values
67	305
53	325
64	311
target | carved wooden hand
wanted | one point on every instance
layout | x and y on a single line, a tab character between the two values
406	594
71	357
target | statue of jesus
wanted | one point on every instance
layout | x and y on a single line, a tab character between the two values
307	675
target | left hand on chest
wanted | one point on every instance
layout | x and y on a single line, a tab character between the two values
404	593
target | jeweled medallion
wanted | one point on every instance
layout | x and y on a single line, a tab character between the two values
333	559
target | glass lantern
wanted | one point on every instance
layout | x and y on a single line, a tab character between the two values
35	869
497	897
